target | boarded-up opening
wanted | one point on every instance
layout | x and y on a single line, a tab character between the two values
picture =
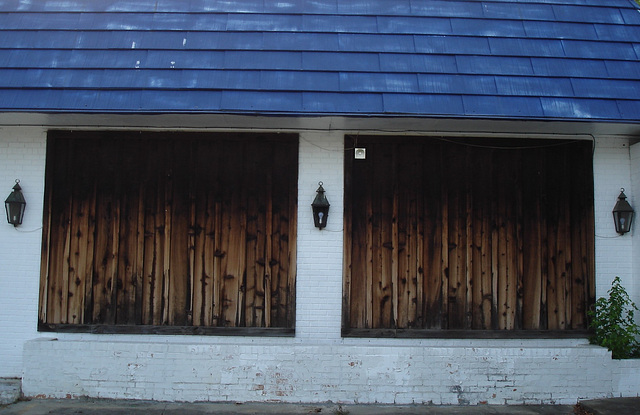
468	237
170	233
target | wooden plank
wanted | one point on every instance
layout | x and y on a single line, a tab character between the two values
469	279
532	255
253	299
168	330
277	292
179	275
208	242
554	303
140	252
495	244
369	250
66	253
75	257
149	193
263	247
228	279
474	242
218	261
219	245
563	242
446	265
401	215
292	157
544	244
395	240
127	234
501	223
166	204
107	242
347	264
241	256
578	271
409	272
359	219
434	265
582	223
384	184
60	217
466	334
45	257
193	290
479	274
420	242
280	262
377	250
456	291
163	239
200	188
512	215
414	259
87	263
519	239
486	248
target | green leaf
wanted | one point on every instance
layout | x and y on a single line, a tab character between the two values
612	320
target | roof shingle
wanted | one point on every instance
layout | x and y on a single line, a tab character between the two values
524	59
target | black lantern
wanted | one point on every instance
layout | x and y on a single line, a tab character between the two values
320	208
622	214
15	205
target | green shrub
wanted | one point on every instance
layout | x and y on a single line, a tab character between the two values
612	321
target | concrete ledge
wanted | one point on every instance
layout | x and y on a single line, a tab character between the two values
489	372
10	390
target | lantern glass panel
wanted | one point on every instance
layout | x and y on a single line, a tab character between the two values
15	212
623	221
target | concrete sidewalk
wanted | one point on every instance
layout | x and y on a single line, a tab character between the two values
620	406
615	406
118	407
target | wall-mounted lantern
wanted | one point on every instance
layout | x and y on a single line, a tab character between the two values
14	205
320	208
622	214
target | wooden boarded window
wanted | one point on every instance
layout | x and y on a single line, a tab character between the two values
170	233
475	237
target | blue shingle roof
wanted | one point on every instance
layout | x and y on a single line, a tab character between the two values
521	59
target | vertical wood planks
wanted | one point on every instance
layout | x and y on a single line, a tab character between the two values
348	300
473	234
433	236
170	229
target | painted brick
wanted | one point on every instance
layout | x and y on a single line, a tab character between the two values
22	157
317	365
382	367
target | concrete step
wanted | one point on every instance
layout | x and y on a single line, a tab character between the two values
614	406
10	389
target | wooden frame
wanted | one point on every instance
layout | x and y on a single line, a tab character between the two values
169	232
468	238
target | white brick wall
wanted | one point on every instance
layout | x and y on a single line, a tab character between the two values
317	365
319	283
435	372
22	155
634	200
612	171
